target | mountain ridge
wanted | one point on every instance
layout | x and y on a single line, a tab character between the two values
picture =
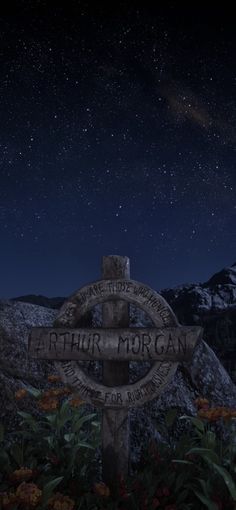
224	277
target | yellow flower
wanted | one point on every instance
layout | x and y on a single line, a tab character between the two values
48	404
67	391
54	378
101	489
28	494
60	502
19	394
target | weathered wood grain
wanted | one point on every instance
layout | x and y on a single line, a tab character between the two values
117	344
115	422
103	291
131	291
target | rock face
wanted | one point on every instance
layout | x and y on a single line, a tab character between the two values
17	370
216	295
205	375
213	306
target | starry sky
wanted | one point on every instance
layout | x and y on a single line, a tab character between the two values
117	136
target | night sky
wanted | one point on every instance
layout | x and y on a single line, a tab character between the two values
117	136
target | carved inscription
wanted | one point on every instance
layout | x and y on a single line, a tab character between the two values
120	396
108	290
164	344
114	344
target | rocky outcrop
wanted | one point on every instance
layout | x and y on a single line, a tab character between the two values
225	277
192	302
211	305
17	369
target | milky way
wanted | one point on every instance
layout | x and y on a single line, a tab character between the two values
117	136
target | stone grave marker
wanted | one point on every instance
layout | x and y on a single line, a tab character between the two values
164	345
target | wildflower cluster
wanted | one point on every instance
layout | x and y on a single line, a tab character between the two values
22	393
50	399
161	482
202	403
213	414
7	499
76	402
57	446
54	378
158	500
60	502
21	475
28	494
101	489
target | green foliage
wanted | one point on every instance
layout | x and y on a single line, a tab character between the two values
58	448
60	441
198	468
193	470
48	489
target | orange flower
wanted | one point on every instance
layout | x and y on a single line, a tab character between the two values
22	474
202	403
19	394
28	494
76	402
48	404
54	378
7	500
210	414
225	414
101	489
60	502
54	392
215	413
66	390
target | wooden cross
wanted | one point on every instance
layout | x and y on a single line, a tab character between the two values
116	344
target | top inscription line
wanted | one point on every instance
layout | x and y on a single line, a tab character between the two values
115	287
129	288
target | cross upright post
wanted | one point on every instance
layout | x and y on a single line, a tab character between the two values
115	422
